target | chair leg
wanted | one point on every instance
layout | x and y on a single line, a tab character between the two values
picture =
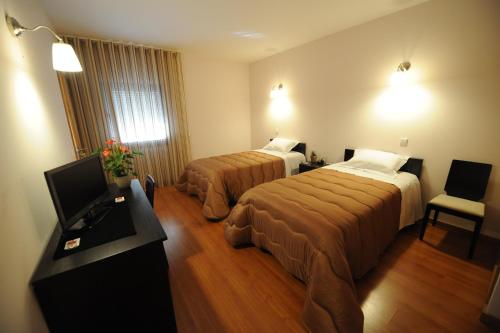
425	221
475	236
436	214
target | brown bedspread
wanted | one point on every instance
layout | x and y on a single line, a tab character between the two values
219	180
325	227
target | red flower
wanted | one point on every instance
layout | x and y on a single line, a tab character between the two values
123	149
106	152
109	142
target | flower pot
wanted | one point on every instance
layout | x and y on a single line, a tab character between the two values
123	182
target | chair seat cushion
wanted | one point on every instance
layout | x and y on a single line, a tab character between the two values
461	205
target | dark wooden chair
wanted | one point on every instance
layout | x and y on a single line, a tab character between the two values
465	187
150	189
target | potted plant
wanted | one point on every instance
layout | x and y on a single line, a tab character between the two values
118	161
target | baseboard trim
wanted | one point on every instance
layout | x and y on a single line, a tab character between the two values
484	231
490	321
492	234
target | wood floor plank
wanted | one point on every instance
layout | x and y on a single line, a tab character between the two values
418	286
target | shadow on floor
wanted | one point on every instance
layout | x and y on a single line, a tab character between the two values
455	242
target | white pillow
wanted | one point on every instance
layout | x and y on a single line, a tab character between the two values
369	166
378	160
281	145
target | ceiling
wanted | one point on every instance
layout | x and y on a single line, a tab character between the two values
238	30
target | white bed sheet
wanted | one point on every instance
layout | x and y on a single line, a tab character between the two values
292	160
411	197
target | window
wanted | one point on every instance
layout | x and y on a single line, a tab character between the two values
139	114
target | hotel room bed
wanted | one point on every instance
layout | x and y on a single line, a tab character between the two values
220	181
328	227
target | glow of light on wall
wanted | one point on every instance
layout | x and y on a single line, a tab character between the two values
281	107
404	99
29	104
16	53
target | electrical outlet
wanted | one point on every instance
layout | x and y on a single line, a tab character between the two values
403	142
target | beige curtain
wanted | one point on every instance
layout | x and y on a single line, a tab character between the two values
134	94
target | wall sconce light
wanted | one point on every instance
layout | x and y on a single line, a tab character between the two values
405	98
276	91
64	58
400	76
280	103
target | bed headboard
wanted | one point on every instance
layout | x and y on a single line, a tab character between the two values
413	165
300	147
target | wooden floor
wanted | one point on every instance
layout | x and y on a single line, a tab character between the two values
418	286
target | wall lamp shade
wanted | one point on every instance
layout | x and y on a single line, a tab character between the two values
64	58
276	91
401	75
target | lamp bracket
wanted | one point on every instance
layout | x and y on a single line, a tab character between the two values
404	66
16	29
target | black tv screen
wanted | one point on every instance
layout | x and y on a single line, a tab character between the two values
75	188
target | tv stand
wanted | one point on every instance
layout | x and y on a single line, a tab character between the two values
119	286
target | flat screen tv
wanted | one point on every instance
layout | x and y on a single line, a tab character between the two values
77	189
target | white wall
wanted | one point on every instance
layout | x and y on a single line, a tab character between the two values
335	86
218	105
34	137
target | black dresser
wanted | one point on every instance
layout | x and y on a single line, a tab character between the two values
119	286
